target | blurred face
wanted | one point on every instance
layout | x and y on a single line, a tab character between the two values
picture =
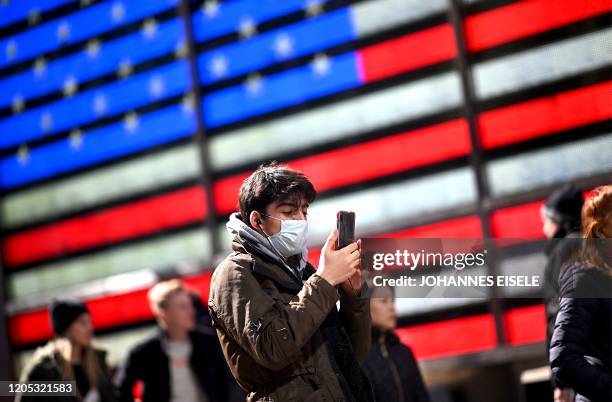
382	310
80	332
549	227
296	209
179	313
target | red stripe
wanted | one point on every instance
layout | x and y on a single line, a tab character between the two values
106	312
518	222
525	325
526	18
408	53
450	337
106	227
466	227
388	155
544	116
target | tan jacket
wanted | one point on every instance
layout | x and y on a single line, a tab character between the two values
270	329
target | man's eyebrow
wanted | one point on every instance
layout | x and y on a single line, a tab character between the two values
292	204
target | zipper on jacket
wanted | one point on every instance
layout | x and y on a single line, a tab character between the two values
392	366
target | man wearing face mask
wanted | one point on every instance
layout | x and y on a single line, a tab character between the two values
276	315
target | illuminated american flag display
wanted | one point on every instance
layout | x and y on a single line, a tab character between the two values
125	133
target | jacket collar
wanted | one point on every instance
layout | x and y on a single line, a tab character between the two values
272	270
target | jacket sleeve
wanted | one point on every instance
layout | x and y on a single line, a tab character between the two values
126	377
355	315
272	332
573	326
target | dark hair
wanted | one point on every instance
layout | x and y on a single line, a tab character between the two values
272	182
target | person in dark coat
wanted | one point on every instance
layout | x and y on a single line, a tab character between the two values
70	356
390	365
561	225
580	351
178	363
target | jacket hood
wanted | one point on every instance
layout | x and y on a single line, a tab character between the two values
252	240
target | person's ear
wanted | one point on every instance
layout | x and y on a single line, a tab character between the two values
255	219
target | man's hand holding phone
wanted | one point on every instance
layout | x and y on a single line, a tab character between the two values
339	266
352	285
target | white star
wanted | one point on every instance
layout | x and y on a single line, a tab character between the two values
93	48
321	65
125	68
18	103
283	45
247	27
63	31
70	86
76	139
188	103
40	67
180	50
149	29
218	66
46	121
33	16
313	8
100	104
117	11
157	86
254	84
210	9
130	122
11	49
23	155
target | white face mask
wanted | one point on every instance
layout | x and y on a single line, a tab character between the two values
291	239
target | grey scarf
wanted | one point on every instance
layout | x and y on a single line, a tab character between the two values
243	233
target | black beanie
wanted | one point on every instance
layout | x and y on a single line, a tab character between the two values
564	206
64	313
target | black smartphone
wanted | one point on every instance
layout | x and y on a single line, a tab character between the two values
345	222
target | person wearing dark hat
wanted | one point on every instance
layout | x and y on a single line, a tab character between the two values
70	356
561	226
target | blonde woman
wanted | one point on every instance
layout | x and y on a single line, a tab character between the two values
70	356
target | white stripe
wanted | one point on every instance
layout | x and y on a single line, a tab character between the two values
543	64
412	306
190	247
382	209
553	165
374	16
347	118
97	288
91	189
